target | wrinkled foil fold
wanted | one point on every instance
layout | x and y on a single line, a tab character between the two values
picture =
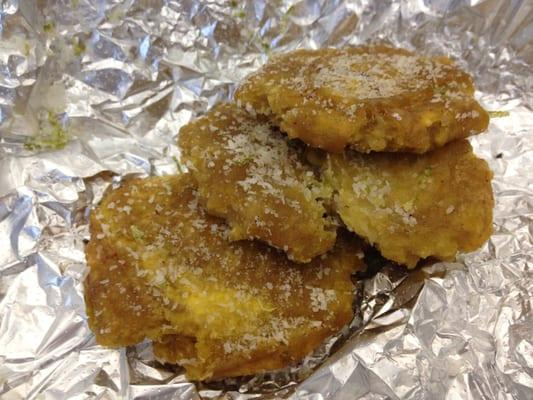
113	81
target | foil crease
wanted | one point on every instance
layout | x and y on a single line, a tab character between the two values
119	78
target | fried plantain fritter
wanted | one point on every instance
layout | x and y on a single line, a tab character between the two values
415	206
249	174
162	268
373	98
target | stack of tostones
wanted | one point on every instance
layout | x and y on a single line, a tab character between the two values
391	125
242	265
163	268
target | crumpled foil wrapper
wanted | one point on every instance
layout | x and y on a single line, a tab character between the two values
119	78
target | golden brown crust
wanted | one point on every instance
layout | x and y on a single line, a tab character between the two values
368	98
162	268
250	175
415	206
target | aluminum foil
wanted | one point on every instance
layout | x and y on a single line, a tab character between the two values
115	80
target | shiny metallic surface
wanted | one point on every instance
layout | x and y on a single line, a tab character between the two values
120	78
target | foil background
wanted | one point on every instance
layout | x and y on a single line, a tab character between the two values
121	77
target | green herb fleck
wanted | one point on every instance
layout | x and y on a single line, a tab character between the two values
48	27
56	138
178	165
498	114
233	3
284	20
116	14
27	48
78	47
243	160
424	179
138	235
